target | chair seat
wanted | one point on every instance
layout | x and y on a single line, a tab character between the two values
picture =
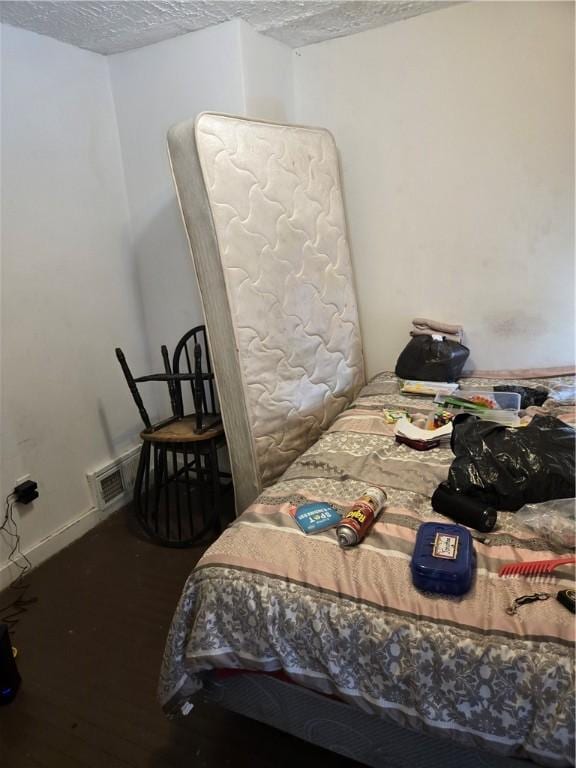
184	430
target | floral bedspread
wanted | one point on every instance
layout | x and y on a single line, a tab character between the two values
349	623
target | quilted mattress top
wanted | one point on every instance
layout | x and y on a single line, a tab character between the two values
274	198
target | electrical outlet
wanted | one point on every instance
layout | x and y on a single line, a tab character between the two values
26	492
22	479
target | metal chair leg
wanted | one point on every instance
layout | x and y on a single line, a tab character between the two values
215	487
177	492
158	477
140	473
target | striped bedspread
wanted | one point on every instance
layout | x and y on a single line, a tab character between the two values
350	624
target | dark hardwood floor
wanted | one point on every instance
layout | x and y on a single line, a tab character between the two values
89	651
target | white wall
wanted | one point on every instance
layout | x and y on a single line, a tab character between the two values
456	133
93	248
67	281
268	76
226	68
154	87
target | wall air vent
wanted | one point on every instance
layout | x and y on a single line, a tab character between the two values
112	485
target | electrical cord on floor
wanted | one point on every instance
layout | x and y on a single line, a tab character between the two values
10	528
11	613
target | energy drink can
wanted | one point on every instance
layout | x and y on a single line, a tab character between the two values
357	521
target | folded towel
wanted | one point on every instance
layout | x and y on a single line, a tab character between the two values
425	327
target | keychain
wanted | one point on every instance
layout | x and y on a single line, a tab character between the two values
524	600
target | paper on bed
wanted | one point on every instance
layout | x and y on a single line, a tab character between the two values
414	387
406	429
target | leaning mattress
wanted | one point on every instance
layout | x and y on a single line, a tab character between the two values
348	623
264	212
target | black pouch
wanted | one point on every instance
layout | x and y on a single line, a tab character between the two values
528	395
427	359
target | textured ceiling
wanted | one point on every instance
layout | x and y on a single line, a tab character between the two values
111	27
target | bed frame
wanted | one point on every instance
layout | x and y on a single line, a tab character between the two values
341	728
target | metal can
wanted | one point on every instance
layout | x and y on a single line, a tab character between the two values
357	521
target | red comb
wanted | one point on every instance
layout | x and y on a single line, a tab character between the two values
534	567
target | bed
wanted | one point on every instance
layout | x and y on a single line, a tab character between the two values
336	646
270	615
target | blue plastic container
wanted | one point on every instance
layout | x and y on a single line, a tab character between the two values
444	559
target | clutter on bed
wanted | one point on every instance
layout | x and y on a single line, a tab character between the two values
315	516
422	326
443	559
429	387
528	395
554	521
535	567
357	522
567	598
420	439
463	509
391	416
501	407
509	467
314	604
526	600
480	401
563	393
434	353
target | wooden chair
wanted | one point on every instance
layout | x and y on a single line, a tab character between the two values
177	493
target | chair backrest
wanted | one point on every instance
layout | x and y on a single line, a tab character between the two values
191	359
192	356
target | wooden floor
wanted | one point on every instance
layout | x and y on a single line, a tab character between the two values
89	652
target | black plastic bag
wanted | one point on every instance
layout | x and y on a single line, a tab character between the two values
508	467
528	395
427	359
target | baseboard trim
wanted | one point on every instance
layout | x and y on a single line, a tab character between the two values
55	541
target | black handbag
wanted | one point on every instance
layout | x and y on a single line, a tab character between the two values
425	358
